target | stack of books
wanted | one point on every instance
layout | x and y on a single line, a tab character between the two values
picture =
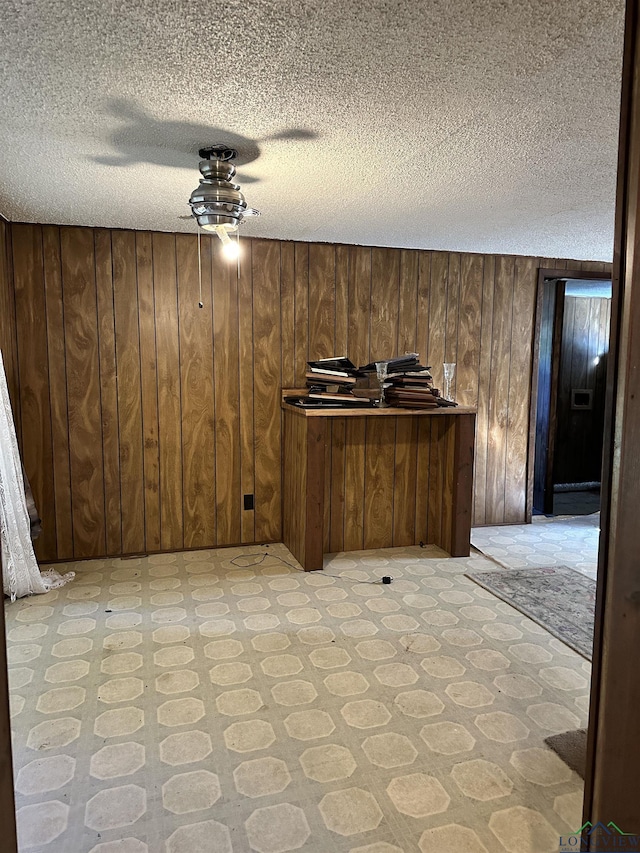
411	387
331	382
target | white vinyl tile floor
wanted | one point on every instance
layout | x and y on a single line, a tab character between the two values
227	702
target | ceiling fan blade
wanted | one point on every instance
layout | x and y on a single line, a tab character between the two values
294	133
245	179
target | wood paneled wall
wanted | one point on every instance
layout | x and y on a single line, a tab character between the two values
146	419
389	480
580	432
7	316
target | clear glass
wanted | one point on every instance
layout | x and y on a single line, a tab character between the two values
448	372
382	368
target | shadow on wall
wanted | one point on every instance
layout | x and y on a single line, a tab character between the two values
142	138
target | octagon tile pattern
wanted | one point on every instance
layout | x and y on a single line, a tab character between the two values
226	702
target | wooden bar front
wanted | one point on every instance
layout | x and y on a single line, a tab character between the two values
376	478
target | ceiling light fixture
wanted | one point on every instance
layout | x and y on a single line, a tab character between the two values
230	248
217	204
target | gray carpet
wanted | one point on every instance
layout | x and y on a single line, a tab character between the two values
571	747
560	599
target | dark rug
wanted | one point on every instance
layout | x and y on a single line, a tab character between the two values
560	599
571	747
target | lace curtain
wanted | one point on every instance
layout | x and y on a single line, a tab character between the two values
20	572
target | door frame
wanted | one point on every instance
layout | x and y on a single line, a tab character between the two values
545	273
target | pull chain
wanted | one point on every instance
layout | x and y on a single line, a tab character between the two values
200	303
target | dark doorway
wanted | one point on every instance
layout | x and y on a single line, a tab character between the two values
574	317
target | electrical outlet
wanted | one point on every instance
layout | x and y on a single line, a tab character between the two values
248	501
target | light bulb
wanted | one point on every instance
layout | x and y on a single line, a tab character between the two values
230	248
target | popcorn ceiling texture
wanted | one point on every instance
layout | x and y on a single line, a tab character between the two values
472	125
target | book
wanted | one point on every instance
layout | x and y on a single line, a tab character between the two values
408	360
323	387
328	371
330	378
327	403
343	398
413	404
422	389
305	402
335	363
417	390
414	370
405	379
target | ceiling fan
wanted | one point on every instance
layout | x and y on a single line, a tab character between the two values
216	203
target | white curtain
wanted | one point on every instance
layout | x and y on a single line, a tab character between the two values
20	573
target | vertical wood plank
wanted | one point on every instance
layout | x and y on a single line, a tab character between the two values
359	303
423	316
422	479
404	492
468	377
8	327
58	392
287	313
303	487
437	451
149	389
227	396
37	448
342	300
83	390
301	270
438	314
355	435
499	390
448	459
127	339
482	422
385	292
453	312
315	446
408	303
326	521
246	362
168	385
294	485
108	391
337	487
379	481
520	384
196	386
322	306
267	425
462	438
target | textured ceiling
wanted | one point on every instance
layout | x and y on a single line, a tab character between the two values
474	125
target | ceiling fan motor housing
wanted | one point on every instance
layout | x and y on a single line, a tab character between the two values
216	200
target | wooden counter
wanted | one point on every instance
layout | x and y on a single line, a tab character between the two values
356	479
